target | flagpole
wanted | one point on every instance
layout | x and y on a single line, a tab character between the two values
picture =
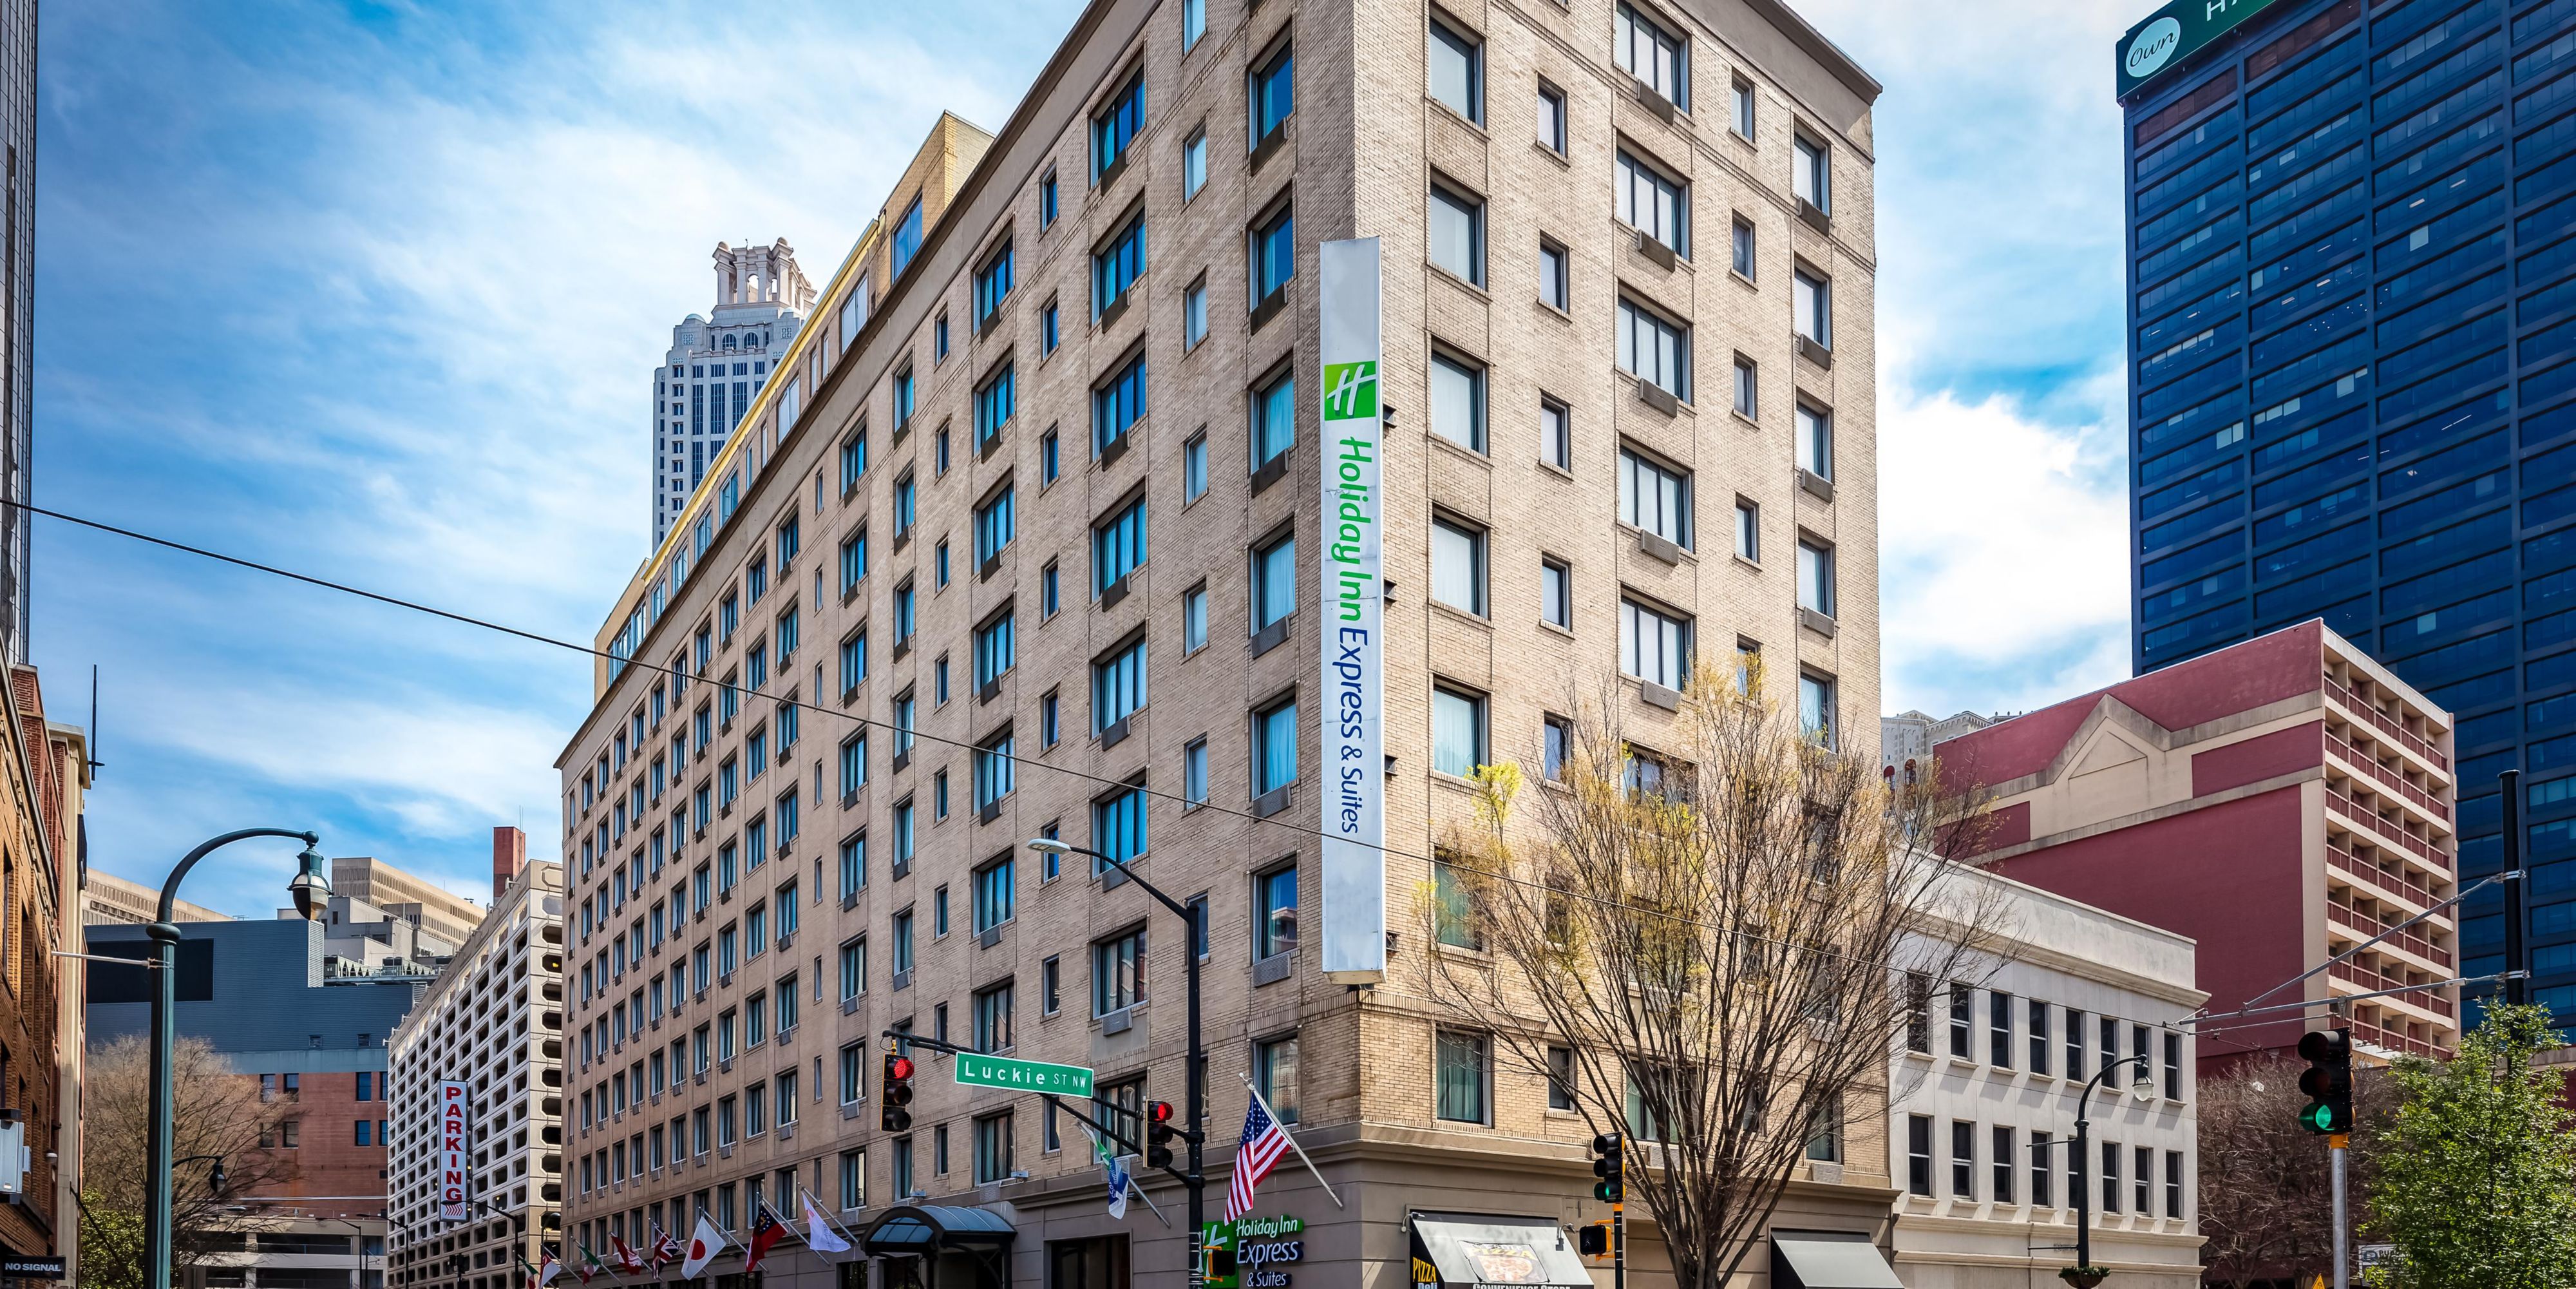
1138	1189
820	1207
1292	1142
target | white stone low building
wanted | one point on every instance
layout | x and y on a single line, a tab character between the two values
493	1021
1985	1090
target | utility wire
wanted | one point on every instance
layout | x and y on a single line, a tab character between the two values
681	678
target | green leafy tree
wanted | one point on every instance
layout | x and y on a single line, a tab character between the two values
111	1245
2477	1176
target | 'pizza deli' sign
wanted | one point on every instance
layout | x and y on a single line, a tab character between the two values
454	1113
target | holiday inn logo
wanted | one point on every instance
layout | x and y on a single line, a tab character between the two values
1350	390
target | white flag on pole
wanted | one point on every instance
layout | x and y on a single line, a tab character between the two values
704	1244
818	1232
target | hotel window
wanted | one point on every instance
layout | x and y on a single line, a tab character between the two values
1117	404
1050	457
993	1147
907	236
1453	922
1458	566
1115	266
1194	619
1457	236
1458	402
1457	731
1118	973
1743	249
1551	118
854	314
1274	748
1274	581
1653	203
992	286
1194	314
854	972
1555	288
1117	686
1273	94
995	767
1193	22
1119	828
1118	546
1116	126
905	494
1274	1075
1048	207
1748	530
1813	298
1815	440
1740	119
1556	593
1748	389
2042	1170
2002	1163
852	1078
1811	173
2143	1177
1918	1155
1274	254
1194	777
2040	1042
1816	578
992	1019
1274	418
1654	350
1457	71
993	526
854	560
2074	1044
2173	1070
1194	473
1194	164
1459	1063
1825	1133
1651	54
2110	1178
1816	715
1655	498
1050	327
1274	925
1963	1159
994	403
1653	646
2173	1183
1555	433
1962	1021
1555	749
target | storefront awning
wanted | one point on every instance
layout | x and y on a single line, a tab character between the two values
1469	1250
1829	1260
911	1230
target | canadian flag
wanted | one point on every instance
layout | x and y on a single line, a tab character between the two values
626	1259
704	1244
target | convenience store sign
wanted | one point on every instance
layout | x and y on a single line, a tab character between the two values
2173	33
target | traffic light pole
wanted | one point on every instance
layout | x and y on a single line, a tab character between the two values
2342	1249
2517	974
1194	1080
1619	1244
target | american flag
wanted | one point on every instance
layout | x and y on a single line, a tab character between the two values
1264	1144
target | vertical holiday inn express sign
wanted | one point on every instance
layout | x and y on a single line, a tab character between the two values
2173	33
1352	581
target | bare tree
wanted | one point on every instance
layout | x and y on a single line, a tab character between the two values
1712	936
217	1111
2265	1182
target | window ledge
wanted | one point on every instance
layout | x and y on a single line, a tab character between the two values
1551	311
1445	273
1559	471
1753	564
1455	448
1457	614
1749	284
1459	117
1749	422
1551	154
1545	625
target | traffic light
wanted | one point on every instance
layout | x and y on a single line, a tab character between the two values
896	1094
2328	1081
1158	1134
1610	1167
1593	1241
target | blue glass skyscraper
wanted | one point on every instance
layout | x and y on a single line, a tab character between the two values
2352	310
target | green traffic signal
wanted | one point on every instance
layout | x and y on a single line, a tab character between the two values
1606	1192
2327	1082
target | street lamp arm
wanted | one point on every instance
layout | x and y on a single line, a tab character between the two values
170	888
2084	1100
1121	865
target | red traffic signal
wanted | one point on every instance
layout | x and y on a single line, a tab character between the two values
1158	1134
895	1093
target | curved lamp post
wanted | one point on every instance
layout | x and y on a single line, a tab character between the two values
312	890
2084	1275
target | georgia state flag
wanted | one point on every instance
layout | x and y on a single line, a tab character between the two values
704	1244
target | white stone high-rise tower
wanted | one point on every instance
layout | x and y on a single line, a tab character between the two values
717	362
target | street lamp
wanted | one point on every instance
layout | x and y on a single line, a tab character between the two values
1193	1082
311	889
2084	1275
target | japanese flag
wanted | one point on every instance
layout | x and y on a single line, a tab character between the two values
704	1244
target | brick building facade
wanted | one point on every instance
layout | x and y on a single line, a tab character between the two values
1027	457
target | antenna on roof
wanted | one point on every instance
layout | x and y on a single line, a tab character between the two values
95	765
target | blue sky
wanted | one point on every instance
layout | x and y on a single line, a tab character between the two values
370	290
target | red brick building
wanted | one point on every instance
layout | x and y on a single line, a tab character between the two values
2279	801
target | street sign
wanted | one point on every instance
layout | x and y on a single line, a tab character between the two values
1028	1076
29	1266
2377	1255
